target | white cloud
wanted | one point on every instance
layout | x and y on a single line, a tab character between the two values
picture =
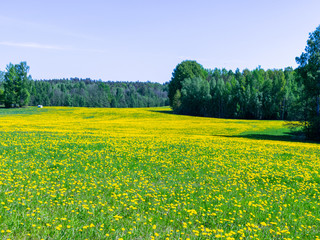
52	47
31	45
45	28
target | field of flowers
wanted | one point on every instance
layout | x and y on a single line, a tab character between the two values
87	173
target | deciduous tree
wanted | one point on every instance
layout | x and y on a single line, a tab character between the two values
16	83
309	73
184	70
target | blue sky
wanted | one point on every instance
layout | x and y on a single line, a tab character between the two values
145	40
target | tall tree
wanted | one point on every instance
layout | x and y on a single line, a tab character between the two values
9	89
185	69
16	83
309	73
22	84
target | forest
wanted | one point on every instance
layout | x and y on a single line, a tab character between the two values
256	94
17	90
91	93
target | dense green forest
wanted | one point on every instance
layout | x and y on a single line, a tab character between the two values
77	92
256	94
90	93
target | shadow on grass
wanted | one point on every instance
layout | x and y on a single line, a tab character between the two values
292	136
164	111
171	112
288	137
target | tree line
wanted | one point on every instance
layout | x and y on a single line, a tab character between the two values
17	90
91	93
256	94
286	94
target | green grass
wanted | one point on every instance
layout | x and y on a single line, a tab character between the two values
85	173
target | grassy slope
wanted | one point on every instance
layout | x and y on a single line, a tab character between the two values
77	173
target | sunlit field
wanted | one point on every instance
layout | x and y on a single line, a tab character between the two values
88	173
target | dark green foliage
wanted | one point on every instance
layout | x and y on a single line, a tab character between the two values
257	94
176	103
16	85
185	69
90	93
194	96
308	73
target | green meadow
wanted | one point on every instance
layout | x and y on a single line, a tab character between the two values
93	173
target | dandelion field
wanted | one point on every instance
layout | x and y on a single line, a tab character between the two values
87	173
